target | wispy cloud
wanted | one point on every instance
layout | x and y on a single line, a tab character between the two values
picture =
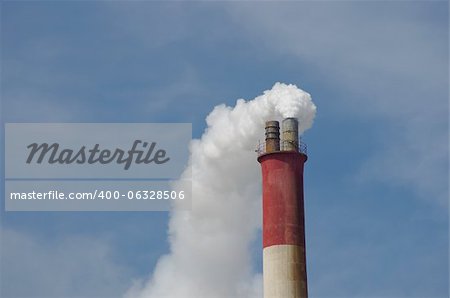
389	67
76	266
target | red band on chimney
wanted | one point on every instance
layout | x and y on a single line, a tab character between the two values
283	211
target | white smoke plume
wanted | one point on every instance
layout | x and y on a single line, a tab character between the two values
210	252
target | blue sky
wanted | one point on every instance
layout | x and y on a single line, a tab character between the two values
376	181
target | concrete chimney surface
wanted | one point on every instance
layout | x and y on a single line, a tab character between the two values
284	255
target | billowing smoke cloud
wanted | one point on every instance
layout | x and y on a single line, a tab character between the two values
210	252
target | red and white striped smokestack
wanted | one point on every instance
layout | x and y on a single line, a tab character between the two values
284	256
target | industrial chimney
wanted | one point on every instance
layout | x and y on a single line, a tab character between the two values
284	256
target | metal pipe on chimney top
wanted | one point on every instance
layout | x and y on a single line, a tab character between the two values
272	136
290	134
